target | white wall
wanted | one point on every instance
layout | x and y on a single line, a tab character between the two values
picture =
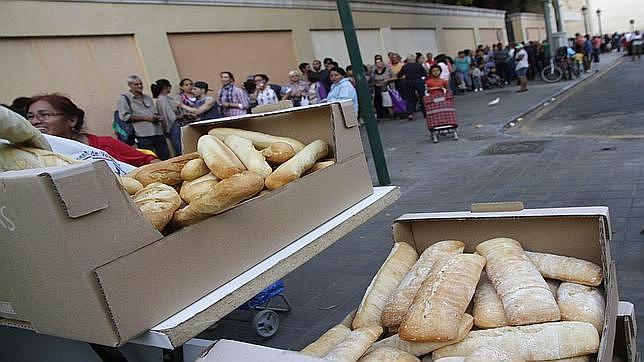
616	14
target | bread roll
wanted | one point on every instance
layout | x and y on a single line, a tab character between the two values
294	168
440	303
400	300
13	158
224	194
526	297
260	140
546	341
221	161
158	202
191	190
168	173
581	303
194	169
567	269
130	185
355	345
493	354
388	354
321	165
400	260
252	159
488	309
327	341
423	348
278	152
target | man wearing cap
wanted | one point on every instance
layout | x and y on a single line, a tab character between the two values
138	108
295	88
205	105
521	58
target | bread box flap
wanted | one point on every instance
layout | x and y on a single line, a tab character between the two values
79	188
348	113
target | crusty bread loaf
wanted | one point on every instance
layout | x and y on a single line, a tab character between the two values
581	303
354	345
221	161
567	269
493	354
294	168
488	309
400	260
442	299
259	139
546	341
224	194
168	173
423	348
526	297
278	152
191	190
158	202
327	341
400	300
129	184
13	158
252	159
388	354
320	165
194	169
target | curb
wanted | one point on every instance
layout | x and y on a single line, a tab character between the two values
514	119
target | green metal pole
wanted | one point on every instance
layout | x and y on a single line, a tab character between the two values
364	96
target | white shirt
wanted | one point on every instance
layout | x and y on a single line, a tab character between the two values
83	152
523	63
444	71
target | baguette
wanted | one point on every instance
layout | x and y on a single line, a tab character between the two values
158	202
488	309
221	161
224	194
388	354
581	303
525	295
252	159
260	140
547	341
278	152
423	348
191	190
400	300
400	260
194	169
327	341
354	345
439	305
129	184
567	269
294	168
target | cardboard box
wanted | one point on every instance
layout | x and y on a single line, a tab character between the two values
582	232
626	335
227	350
81	262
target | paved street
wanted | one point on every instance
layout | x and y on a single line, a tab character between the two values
591	154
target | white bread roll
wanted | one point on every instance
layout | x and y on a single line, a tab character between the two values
439	305
400	260
567	269
581	303
260	140
158	202
488	309
388	354
278	152
194	169
221	161
493	354
526	297
167	172
327	341
423	348
546	341
191	190
400	300
355	345
252	159
224	194
293	169
130	184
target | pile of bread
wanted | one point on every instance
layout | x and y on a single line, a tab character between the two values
501	303
231	165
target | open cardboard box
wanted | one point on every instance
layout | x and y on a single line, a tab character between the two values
81	262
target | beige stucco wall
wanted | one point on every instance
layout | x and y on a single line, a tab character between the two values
528	26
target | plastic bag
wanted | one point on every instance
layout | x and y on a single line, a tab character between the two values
400	105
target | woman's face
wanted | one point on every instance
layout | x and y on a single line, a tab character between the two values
186	86
48	120
436	72
225	78
335	76
380	64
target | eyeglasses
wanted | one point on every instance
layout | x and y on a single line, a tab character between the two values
45	116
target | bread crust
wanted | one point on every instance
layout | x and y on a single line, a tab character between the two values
158	202
327	341
278	152
388	354
194	169
354	345
567	269
294	168
130	184
252	159
581	303
488	309
191	190
260	140
220	159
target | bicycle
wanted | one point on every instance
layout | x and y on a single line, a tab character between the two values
552	73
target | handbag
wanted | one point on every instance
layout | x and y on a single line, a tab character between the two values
400	105
386	99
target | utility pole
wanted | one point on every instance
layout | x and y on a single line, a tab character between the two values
599	21
584	11
546	13
364	96
558	16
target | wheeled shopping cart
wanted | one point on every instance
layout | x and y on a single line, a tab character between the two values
441	115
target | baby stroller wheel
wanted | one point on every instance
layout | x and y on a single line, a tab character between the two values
266	323
455	135
435	137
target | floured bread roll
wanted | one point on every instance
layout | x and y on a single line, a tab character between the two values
526	297
488	310
581	303
158	202
354	345
493	354
327	341
388	354
567	269
400	260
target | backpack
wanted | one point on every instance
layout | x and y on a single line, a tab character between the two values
124	131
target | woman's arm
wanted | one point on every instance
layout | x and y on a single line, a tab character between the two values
203	108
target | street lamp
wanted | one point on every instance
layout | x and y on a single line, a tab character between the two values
584	11
599	21
632	21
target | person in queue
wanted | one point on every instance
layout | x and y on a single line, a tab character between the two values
57	115
169	111
341	88
205	105
296	88
185	95
263	94
413	76
232	99
136	107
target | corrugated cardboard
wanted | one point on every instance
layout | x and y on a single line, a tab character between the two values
582	232
626	336
81	248
227	350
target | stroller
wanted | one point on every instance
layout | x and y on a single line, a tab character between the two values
441	115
